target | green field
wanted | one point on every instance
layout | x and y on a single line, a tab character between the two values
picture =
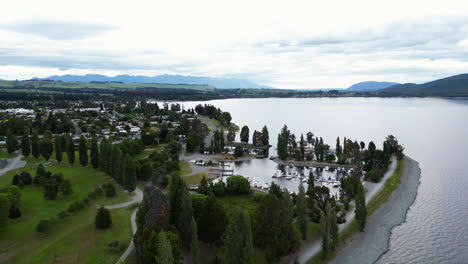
73	239
5	155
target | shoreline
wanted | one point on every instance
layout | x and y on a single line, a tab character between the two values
369	246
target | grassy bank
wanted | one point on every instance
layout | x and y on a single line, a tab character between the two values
73	239
390	185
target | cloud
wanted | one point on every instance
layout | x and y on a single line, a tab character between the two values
57	30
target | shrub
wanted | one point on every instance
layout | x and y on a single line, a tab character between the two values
237	185
22	179
14	212
98	191
76	206
103	218
219	189
109	189
115	247
92	195
86	201
65	187
44	226
63	214
257	197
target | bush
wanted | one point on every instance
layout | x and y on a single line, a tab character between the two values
109	189
22	179
44	226
103	218
257	197
219	189
76	206
98	191
115	247
92	195
237	185
86	201
14	213
65	187
63	214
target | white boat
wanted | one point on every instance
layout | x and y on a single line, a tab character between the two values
327	168
290	192
278	174
288	178
259	185
266	186
294	174
304	180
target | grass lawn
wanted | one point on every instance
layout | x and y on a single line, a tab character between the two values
5	155
195	178
20	239
184	168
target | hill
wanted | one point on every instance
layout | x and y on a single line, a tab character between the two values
221	83
370	86
454	86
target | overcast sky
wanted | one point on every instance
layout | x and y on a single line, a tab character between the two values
285	44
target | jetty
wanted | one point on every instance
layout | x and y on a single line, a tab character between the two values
313	163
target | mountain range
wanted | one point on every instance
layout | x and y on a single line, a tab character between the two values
453	86
370	86
220	83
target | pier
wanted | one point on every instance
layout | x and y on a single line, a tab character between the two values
313	164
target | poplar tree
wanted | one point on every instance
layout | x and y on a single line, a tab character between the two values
58	149
94	153
83	152
35	145
25	144
244	135
70	150
361	210
11	142
129	174
45	146
194	247
301	205
238	242
265	136
164	250
302	148
184	218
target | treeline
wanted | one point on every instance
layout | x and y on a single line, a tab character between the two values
224	118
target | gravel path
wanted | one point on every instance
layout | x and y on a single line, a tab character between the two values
13	164
313	248
137	198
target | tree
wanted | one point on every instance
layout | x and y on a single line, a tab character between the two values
265	136
25	144
103	218
238	242
310	138
94	153
45	146
302	148
4	209
194	247
212	220
275	189
324	230
70	150
184	221
11	142
35	145
244	135
14	196
231	135
361	209
129	178
272	220
283	142
164	250
58	148
145	172
301	206
65	187
237	185
83	152
203	188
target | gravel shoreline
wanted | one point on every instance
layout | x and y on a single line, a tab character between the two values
367	247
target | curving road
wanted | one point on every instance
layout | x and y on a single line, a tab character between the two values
13	164
313	248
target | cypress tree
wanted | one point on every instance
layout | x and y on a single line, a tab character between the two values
83	152
184	218
238	242
265	136
164	250
4	209
301	205
58	149
35	145
70	150
11	142
25	144
94	153
103	218
324	230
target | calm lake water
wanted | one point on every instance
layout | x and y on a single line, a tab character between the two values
433	131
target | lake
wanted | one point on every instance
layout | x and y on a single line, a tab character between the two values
433	132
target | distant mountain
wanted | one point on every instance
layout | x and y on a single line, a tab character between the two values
221	83
370	86
454	86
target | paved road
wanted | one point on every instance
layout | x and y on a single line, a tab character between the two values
13	164
314	247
